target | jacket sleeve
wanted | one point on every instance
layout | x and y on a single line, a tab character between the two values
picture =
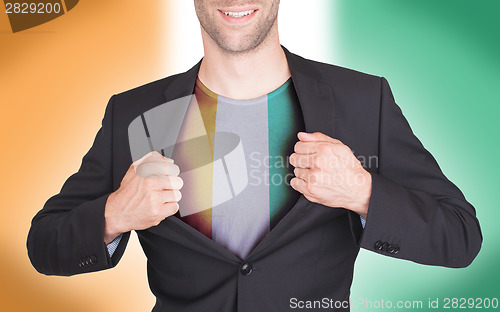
67	236
415	212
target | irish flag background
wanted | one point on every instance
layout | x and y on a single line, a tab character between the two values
441	58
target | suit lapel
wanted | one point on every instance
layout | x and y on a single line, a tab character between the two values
318	109
316	99
183	84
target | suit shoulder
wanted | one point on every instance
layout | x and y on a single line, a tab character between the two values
149	90
341	75
129	104
348	86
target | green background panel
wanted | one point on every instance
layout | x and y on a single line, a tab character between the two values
441	59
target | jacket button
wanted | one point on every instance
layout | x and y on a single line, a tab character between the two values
378	245
83	263
246	269
93	260
396	249
390	249
384	246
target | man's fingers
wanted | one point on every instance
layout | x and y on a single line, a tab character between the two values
313	147
316	137
172	169
153	156
302	147
157	169
156	157
172	183
302	161
301	173
171	208
301	186
310	176
170	196
166	183
147	156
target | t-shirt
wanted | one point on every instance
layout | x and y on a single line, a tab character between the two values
244	191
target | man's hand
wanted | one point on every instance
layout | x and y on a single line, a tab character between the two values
148	193
327	172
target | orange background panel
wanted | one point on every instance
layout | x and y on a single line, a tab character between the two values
55	80
70	4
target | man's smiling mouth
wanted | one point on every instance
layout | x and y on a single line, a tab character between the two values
239	14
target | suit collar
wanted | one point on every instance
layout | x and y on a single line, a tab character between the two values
315	95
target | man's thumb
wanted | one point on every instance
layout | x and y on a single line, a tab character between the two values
315	137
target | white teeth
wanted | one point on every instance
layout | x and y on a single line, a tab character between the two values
239	14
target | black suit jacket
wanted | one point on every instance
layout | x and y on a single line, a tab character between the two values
415	212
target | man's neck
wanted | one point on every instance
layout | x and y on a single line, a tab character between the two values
244	76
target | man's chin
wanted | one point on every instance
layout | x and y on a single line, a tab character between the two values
239	46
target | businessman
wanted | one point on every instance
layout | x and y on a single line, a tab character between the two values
265	242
